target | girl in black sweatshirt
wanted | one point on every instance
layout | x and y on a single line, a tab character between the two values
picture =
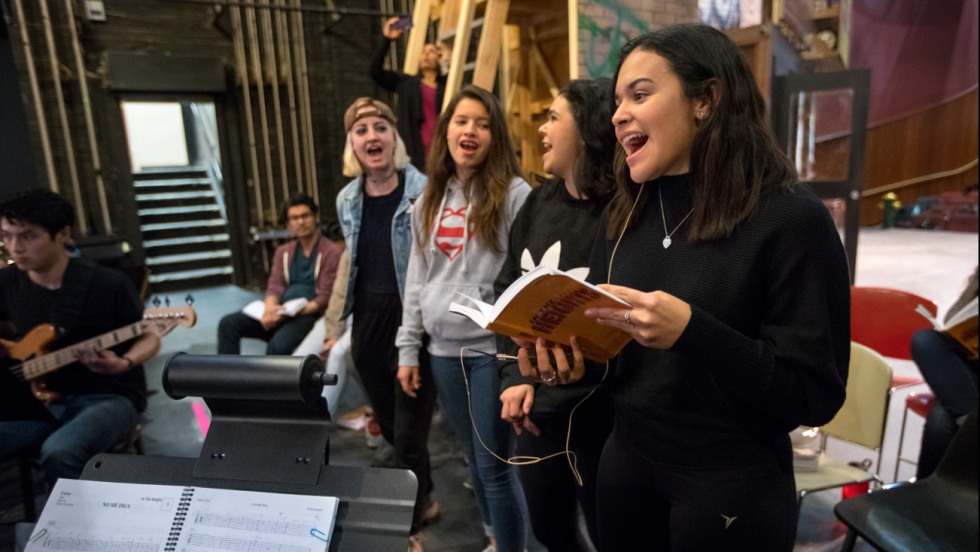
740	306
556	227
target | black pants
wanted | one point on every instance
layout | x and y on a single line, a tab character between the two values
282	339
550	488
651	507
404	421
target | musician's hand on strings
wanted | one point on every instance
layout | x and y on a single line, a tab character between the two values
517	402
103	362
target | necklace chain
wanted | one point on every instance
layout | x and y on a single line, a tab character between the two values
663	217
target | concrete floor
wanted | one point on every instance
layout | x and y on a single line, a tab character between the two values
930	263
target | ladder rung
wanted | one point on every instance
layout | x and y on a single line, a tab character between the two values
448	37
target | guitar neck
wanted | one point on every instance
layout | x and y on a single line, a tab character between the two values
62	357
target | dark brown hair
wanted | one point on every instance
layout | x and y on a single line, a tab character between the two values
591	104
487	189
734	156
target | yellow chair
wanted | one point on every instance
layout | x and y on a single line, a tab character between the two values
861	420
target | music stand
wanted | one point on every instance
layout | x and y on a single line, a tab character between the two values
270	432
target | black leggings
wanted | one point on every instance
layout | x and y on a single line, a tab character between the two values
405	422
550	488
651	507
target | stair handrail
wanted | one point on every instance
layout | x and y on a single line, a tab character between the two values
213	166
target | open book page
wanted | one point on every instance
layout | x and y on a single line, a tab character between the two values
256	308
961	326
293	306
93	515
96	515
221	519
476	310
551	304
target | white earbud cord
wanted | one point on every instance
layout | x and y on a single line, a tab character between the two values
568	453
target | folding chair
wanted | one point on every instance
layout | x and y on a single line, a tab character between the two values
861	420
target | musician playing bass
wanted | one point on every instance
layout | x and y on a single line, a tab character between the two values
101	396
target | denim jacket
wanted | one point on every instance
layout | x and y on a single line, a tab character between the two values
350	203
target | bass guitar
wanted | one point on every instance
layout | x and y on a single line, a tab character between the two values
33	360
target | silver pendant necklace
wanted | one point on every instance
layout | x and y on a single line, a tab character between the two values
663	217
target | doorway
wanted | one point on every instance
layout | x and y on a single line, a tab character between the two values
175	163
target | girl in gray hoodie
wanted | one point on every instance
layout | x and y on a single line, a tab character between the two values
460	227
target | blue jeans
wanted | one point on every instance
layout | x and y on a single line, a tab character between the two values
495	484
84	425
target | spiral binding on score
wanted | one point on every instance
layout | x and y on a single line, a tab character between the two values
178	525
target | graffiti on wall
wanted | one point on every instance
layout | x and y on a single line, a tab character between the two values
606	35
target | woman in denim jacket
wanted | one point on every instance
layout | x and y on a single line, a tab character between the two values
375	213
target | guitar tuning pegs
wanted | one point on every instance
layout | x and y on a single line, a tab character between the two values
189	299
156	301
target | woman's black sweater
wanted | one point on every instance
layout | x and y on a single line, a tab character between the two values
768	342
557	230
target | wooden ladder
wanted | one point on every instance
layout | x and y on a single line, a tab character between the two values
457	21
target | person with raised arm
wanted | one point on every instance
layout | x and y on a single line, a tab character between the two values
420	96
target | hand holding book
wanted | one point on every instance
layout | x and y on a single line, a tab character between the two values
549	304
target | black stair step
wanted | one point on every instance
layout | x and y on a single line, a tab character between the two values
169	172
198	225
156	278
174	286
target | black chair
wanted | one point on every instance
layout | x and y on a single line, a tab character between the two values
938	512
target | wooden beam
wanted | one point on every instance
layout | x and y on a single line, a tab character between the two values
448	14
546	74
416	36
491	39
573	61
461	46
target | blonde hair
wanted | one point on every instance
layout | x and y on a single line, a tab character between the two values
352	165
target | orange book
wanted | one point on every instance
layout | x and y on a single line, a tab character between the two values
549	303
962	326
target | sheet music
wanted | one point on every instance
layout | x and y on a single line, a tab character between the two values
123	517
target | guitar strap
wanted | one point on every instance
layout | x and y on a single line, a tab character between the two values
71	296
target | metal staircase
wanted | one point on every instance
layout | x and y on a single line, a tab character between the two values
184	226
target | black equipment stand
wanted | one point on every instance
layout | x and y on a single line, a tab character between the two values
270	432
